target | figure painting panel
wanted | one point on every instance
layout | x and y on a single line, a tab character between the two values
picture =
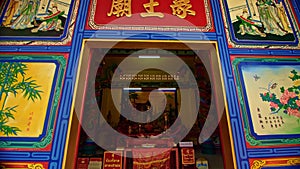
261	21
35	18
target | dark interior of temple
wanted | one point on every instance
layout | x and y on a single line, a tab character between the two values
140	87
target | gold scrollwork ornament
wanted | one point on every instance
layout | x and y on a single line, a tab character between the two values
35	166
258	164
294	161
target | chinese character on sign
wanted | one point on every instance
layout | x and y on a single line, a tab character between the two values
150	10
120	8
181	8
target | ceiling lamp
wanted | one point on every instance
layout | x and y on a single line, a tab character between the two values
149	57
166	88
132	88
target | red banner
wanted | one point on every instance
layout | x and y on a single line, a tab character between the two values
147	14
151	158
112	160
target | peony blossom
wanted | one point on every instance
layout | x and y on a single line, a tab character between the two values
293	112
284	99
298	102
272	104
286	96
291	94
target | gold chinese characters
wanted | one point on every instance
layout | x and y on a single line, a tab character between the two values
120	8
180	8
150	10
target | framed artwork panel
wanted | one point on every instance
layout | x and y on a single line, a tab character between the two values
29	98
268	92
37	22
260	23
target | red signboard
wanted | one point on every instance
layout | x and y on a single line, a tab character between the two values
112	160
188	156
150	15
82	163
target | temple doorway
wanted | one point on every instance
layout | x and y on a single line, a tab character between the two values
135	99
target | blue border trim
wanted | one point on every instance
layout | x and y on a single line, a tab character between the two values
148	35
39	49
64	110
296	5
273	152
24	156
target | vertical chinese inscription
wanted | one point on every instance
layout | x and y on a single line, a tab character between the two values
120	8
150	10
182	8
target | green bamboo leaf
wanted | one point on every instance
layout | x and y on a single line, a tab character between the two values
3	121
11	108
2	117
8	130
15	130
28	78
9	115
26	93
38	95
13	81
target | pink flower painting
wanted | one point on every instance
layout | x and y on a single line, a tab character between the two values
289	100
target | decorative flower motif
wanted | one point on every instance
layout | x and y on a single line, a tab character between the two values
272	104
286	96
293	112
298	102
271	96
284	99
292	75
297	83
289	100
